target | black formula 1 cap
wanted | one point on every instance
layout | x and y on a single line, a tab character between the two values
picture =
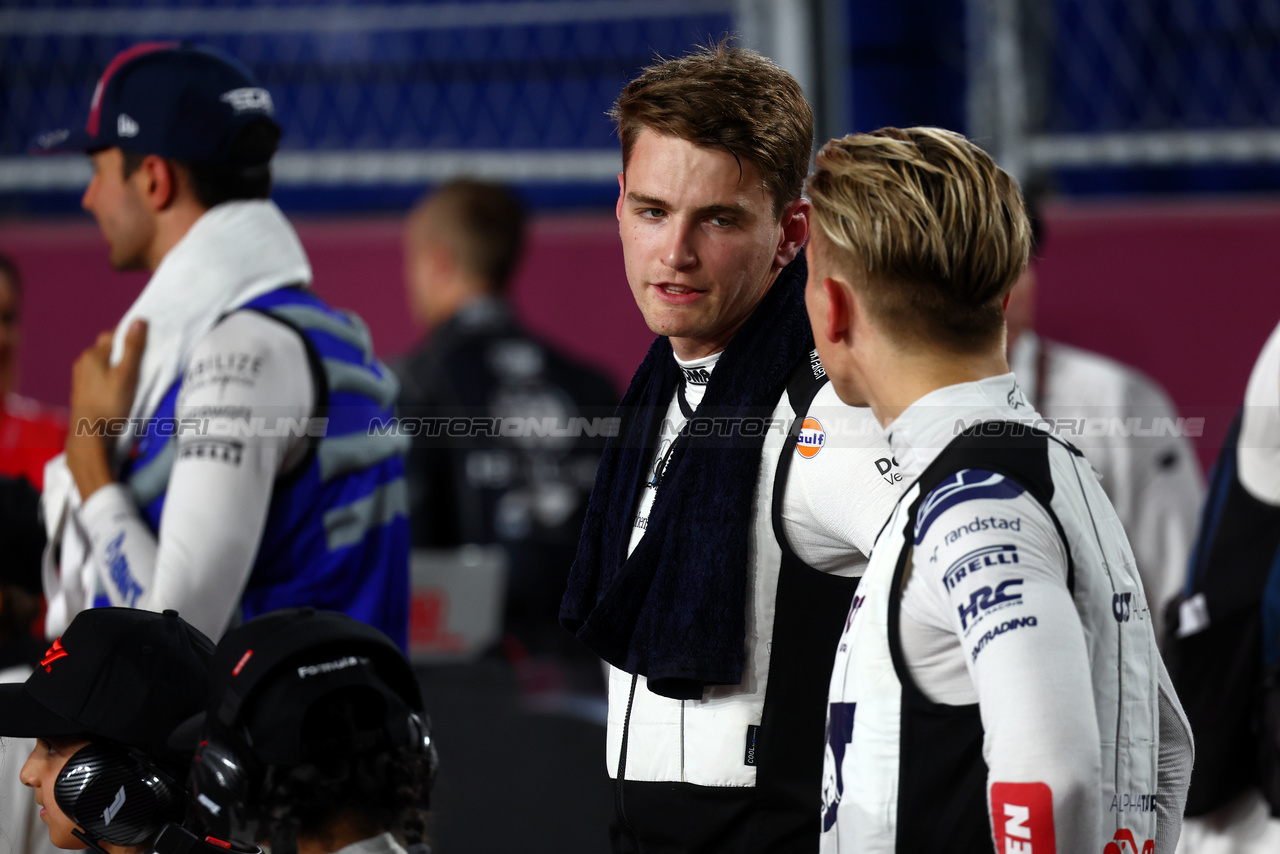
269	672
175	99
124	674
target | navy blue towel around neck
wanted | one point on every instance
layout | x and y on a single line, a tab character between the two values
675	610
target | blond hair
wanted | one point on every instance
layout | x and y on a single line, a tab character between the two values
938	227
727	98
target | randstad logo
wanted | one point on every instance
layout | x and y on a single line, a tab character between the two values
811	437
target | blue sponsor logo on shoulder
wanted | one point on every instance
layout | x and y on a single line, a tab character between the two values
964	485
976	560
985	599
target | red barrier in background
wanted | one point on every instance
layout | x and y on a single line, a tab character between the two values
1185	292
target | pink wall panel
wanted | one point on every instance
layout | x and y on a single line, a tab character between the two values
570	286
1185	292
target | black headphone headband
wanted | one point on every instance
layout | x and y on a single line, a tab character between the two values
291	640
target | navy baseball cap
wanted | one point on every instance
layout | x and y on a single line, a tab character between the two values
175	99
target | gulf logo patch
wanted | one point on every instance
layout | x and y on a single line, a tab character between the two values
811	437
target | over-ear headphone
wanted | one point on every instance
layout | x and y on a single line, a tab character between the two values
117	796
227	778
282	677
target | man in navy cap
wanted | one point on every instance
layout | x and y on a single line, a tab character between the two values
102	703
220	457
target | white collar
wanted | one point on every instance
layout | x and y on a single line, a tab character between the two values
235	252
1024	357
927	426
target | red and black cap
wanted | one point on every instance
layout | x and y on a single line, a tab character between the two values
174	99
123	674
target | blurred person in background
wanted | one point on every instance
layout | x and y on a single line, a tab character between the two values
30	434
273	492
315	740
1223	646
526	493
1153	480
21	543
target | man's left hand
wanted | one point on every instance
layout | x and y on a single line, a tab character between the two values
100	390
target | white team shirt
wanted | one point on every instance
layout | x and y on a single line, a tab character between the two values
1130	432
248	367
834	503
986	616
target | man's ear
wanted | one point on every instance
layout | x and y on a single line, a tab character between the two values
840	310
157	182
622	194
795	232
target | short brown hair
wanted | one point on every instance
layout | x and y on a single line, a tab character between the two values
728	98
483	223
939	228
246	177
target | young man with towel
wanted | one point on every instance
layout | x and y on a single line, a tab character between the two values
732	514
246	479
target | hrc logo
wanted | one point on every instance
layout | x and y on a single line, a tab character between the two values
811	437
983	600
